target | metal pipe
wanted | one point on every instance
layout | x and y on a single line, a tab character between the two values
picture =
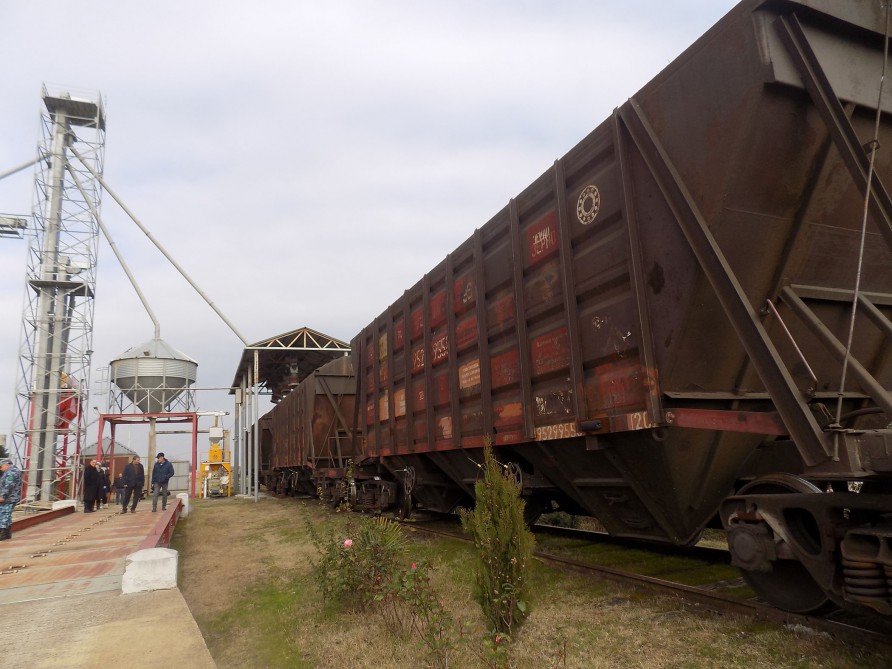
249	442
114	248
194	455
866	211
19	168
236	439
256	380
50	326
244	434
814	379
158	245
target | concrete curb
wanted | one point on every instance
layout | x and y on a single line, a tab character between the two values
150	569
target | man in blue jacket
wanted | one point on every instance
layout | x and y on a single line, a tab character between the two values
10	495
161	475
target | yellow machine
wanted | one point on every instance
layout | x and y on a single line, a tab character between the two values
215	471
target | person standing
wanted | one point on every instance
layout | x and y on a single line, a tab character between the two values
104	485
91	486
162	472
134	480
119	489
10	495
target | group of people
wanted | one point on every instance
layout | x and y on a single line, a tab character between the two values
128	487
96	486
129	484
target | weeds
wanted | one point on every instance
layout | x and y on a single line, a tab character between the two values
411	605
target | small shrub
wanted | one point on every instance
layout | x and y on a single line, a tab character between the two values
356	571
362	570
412	605
504	548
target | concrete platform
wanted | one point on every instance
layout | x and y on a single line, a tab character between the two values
60	590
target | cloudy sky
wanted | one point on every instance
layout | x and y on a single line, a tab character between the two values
306	161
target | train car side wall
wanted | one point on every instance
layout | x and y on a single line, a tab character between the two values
626	289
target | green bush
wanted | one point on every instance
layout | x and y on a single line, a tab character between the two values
363	570
504	547
356	569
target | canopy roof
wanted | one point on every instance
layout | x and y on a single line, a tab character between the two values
287	359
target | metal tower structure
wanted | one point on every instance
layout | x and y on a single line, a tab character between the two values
57	322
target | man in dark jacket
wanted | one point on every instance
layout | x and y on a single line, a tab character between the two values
104	485
91	486
134	480
161	475
10	495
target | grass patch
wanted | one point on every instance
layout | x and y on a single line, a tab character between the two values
269	609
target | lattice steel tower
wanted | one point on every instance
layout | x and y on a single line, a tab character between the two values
57	323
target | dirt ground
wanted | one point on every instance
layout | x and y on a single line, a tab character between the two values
232	548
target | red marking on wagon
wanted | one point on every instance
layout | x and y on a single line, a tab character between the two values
542	238
505	369
550	351
469	375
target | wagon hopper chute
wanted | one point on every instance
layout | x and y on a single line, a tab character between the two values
656	330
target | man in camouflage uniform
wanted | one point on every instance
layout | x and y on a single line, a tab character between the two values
10	495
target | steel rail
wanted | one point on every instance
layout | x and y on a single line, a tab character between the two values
708	599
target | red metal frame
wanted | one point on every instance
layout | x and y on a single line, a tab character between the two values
114	419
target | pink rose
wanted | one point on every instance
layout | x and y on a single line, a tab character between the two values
348	542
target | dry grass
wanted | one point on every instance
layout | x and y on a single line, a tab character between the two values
246	574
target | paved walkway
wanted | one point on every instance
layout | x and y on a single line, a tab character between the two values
60	593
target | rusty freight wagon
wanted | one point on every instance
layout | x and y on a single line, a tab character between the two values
659	330
306	439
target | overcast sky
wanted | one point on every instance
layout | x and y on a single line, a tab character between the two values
305	162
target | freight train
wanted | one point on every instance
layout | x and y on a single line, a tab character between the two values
685	319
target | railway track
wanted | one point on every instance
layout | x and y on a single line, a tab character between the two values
842	626
706	554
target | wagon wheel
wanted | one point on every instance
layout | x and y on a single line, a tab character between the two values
404	503
513	472
352	493
533	507
337	494
409	480
789	585
404	507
